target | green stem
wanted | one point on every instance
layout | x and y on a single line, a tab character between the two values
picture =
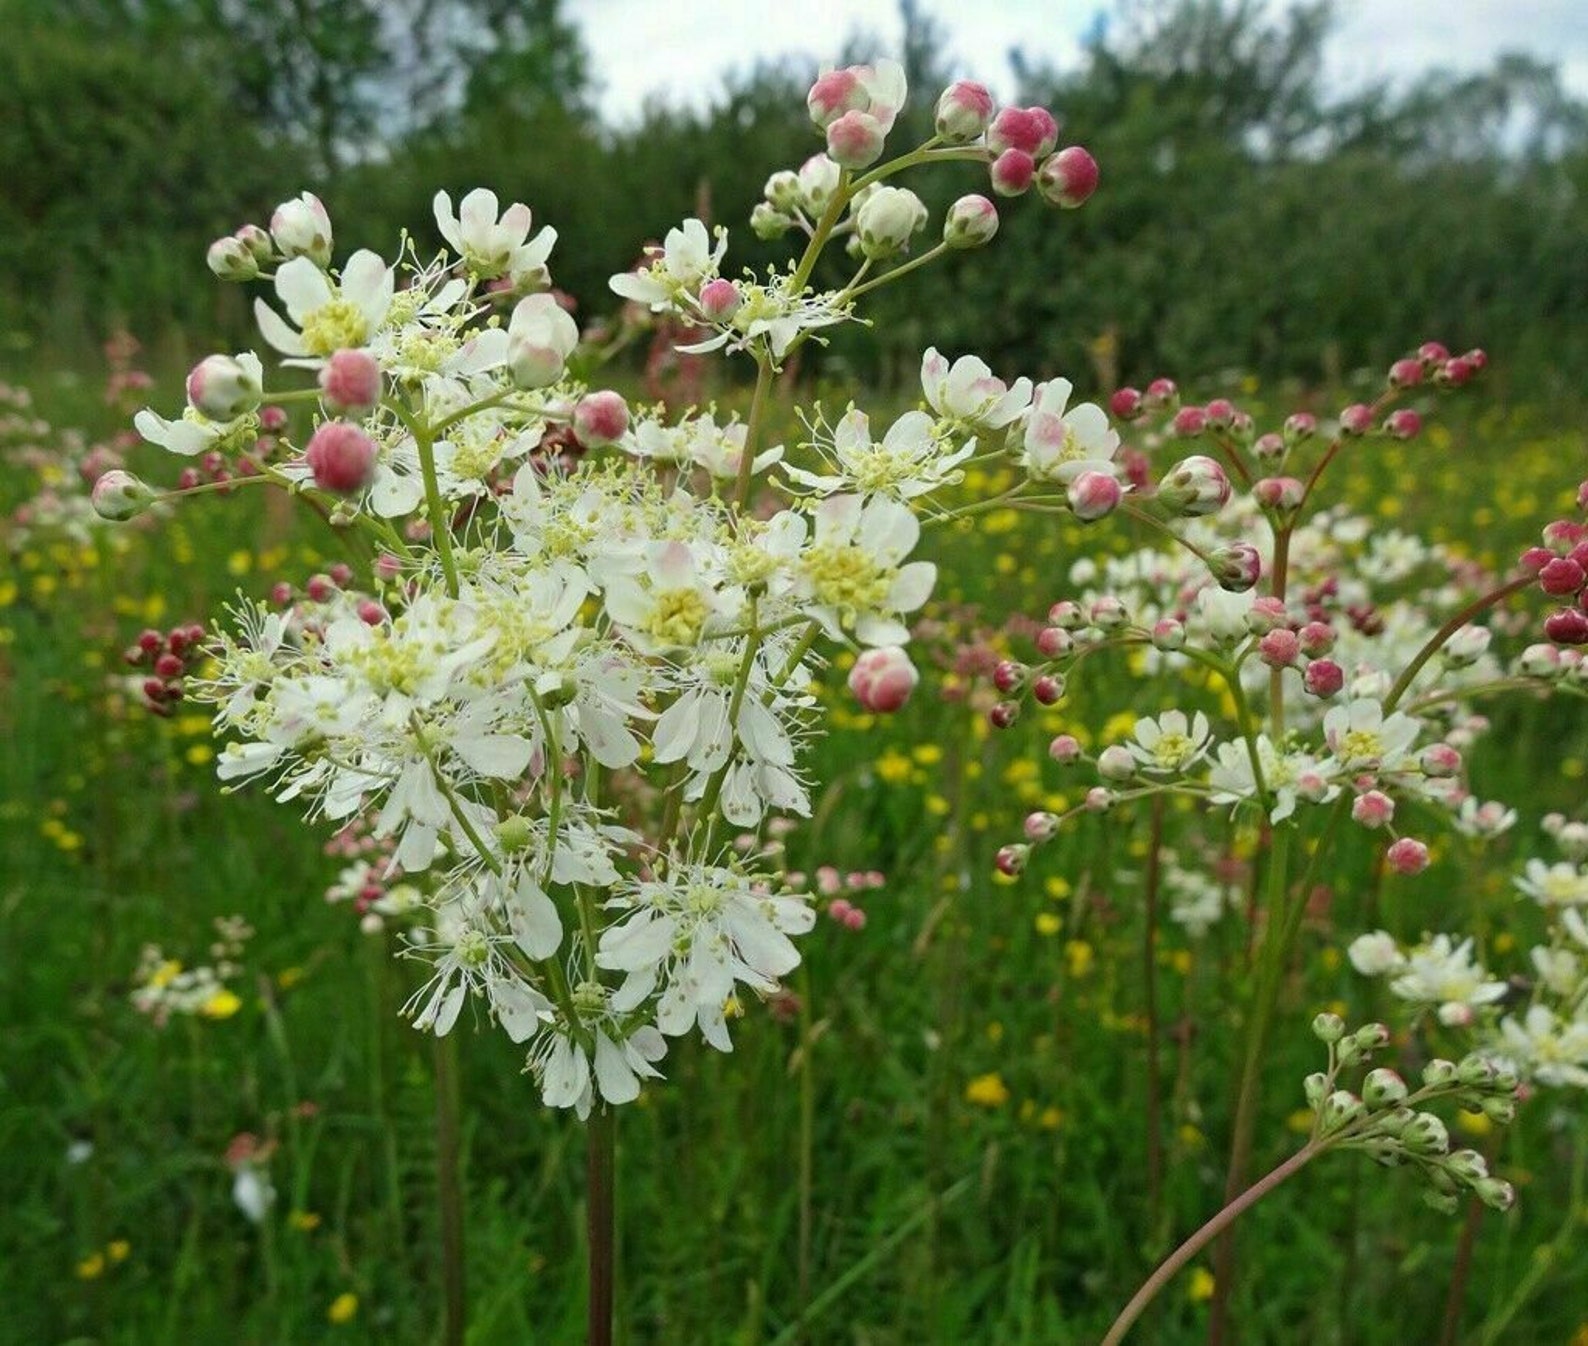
1149	972
932	254
752	431
449	1189
1436	642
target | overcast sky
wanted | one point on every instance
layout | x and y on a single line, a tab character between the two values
682	48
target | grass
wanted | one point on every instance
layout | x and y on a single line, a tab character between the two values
965	1082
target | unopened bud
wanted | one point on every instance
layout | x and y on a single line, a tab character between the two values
230	258
342	458
1065	749
834	93
1094	495
350	382
964	111
1356	419
1281	494
119	496
1011	173
1328	1028
1067	179
855	140
887	219
1127	404
883	679
1407	856
224	388
720	299
1383	1088
1011	860
1031	130
1323	678
971	222
600	418
301	228
1403	424
1195	486
1168	634
1237	567
1280	648
1115	763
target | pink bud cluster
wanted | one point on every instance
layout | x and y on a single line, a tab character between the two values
1561	567
168	656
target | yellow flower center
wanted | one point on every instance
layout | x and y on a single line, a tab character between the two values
678	617
1361	745
338	324
847	578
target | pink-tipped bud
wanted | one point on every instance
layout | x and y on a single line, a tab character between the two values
319	588
854	140
1162	394
964	110
1068	179
1535	559
1566	627
229	258
1561	576
1168	634
1356	419
169	666
272	419
1454	373
1048	689
1030	130
1094	495
600	418
1407	856
1108	612
1582	496
1053	642
882	679
387	567
1065	749
1011	860
1279	648
342	458
835	93
1127	404
281	593
1189	422
1011	173
1040	826
1067	615
1237	567
370	612
1323	678
1373	808
1406	373
1403	424
1004	714
1283	494
1195	486
1317	638
1266	614
1439	760
1562	535
1269	447
1478	358
1115	763
971	222
119	496
1009	676
1299	426
720	299
350	382
1432	354
223	388
1099	799
1220	413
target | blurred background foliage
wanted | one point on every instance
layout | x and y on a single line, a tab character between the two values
1251	216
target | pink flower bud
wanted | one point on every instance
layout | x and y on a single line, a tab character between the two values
229	258
370	612
1004	714
971	222
1269	447
1582	496
720	299
1009	676
1432	354
882	679
1115	763
1317	638
1540	661
1407	856
835	93
1162	393
1373	808
1065	749
1053	642
1284	494
1068	178
169	666
119	496
1030	130
1189	422
319	588
1323	678
1406	373
1237	567
388	567
839	908
272	420
1440	760
1454	373
1067	614
1561	576
1535	559
223	388
1048	689
1041	826
1403	424
1478	358
1356	419
1266	614
1099	799
1168	634
1127	404
854	140
1299	426
600	418
1195	486
342	458
964	111
1012	172
350	382
1108	612
1011	860
1094	495
1220	412
1562	535
1566	627
1279	648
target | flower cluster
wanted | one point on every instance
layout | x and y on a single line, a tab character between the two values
166	986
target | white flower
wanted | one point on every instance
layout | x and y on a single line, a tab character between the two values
571	1074
1288	776
675	606
1170	743
967	392
1552	1050
1221	615
1375	954
329	317
851	573
489	246
302	228
1061	442
1562	884
909	462
687	258
694	936
1441	973
1362	737
540	338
